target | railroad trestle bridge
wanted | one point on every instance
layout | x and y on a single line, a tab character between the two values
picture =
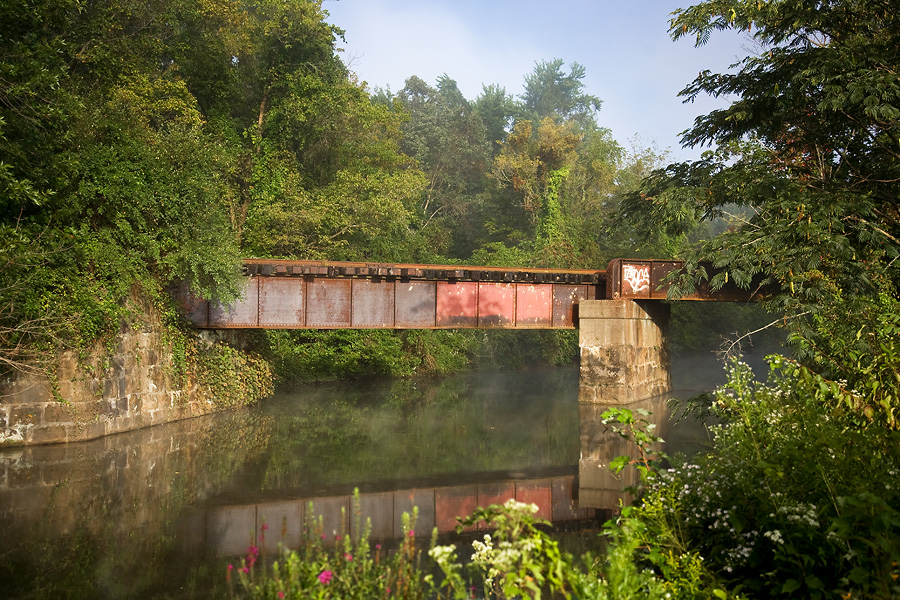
346	295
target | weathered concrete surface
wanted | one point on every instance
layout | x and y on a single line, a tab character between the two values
624	350
598	486
624	364
129	387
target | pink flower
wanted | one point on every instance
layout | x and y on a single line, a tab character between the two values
325	577
245	570
412	534
378	546
264	527
281	594
348	557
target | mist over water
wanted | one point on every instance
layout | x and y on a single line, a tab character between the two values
153	512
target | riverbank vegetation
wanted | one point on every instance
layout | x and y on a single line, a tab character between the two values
144	145
149	145
798	496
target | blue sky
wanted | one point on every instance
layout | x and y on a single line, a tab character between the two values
630	61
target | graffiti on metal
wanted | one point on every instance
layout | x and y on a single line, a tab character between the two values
637	277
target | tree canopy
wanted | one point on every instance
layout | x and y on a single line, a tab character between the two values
148	145
807	166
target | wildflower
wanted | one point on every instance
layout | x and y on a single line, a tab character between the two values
348	557
281	594
412	534
245	570
775	536
325	577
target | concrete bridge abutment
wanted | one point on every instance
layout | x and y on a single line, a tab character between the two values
624	364
624	350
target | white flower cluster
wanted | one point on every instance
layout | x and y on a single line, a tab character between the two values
513	505
775	536
801	513
443	555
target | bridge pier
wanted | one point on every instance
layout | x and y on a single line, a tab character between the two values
624	350
624	363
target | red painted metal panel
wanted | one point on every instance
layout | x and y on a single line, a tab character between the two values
494	493
241	313
536	492
405	500
414	304
373	303
281	302
452	502
328	303
534	305
496	305
562	493
457	304
564	299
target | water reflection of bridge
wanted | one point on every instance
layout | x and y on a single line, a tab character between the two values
564	494
230	529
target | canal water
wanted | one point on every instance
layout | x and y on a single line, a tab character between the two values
156	513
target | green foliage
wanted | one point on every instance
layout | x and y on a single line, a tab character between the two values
794	499
339	354
228	377
807	154
550	93
634	427
349	568
518	559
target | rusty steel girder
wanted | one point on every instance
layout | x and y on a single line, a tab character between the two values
282	294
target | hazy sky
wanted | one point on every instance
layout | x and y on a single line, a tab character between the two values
630	61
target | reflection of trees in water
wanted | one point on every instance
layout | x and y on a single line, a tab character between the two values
598	486
96	519
112	518
421	429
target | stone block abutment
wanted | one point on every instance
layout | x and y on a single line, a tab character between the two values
624	350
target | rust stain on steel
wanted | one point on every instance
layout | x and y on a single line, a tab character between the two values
415	304
534	305
496	305
456	304
241	313
372	303
281	303
294	268
565	297
328	303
